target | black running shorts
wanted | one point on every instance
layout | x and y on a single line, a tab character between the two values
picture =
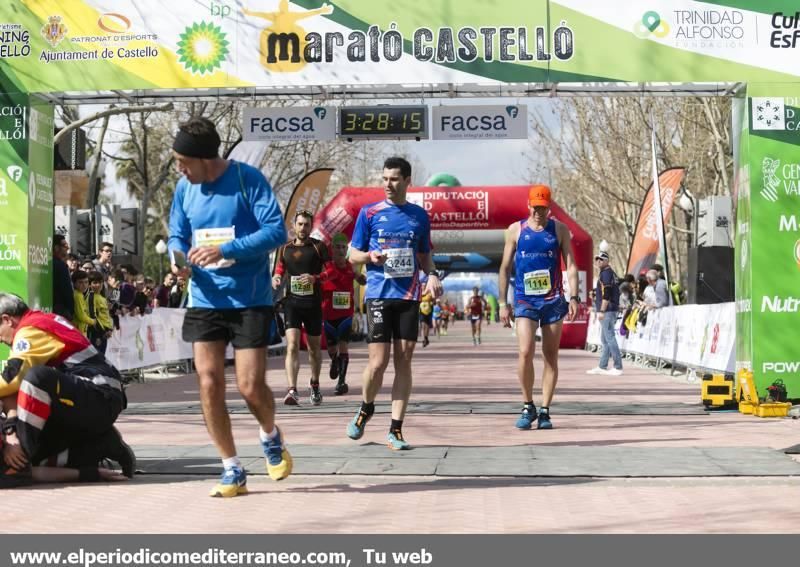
243	328
308	315
392	319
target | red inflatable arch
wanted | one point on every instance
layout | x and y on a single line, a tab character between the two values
460	210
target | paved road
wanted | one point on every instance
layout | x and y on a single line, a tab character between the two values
635	453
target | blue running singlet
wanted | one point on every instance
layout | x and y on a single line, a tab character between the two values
538	291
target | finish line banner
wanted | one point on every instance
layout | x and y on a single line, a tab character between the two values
389	550
88	45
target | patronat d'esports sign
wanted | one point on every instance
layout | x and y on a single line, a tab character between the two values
490	122
289	124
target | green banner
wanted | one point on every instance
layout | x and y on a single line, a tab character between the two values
26	200
768	239
40	206
13	196
86	45
744	313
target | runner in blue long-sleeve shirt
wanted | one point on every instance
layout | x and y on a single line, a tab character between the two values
223	224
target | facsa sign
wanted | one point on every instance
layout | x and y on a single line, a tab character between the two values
480	122
289	124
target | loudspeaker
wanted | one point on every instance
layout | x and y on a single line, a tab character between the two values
711	274
70	152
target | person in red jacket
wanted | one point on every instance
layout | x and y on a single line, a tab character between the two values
337	309
58	392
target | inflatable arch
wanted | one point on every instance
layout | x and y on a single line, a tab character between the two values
468	219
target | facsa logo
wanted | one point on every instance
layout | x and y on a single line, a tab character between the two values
473	123
776	304
792	367
14	172
281	124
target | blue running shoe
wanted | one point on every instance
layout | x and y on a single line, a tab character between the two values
544	421
232	483
396	441
355	429
526	418
279	461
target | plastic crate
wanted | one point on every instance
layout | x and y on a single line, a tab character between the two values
776	409
747	407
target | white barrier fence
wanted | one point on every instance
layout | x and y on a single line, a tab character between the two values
152	340
695	336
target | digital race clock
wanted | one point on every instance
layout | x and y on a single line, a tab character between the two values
383	122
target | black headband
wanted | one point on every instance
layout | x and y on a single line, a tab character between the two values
191	145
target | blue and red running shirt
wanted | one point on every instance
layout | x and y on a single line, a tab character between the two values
400	232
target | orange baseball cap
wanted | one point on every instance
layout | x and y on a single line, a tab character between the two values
539	196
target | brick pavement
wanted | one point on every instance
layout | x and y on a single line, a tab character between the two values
465	400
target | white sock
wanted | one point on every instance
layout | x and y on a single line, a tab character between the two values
264	436
232	462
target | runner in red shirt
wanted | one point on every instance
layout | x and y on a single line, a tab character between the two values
337	309
476	307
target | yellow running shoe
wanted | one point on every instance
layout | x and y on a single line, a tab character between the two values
279	461
232	483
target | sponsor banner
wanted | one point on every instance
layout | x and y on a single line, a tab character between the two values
456	207
676	32
695	336
646	245
50	46
149	340
152	340
14	111
743	290
307	196
289	124
40	206
768	238
480	122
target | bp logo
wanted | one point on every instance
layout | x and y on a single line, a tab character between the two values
202	48
651	24
768	113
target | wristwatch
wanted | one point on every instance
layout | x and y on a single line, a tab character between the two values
10	426
576	298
